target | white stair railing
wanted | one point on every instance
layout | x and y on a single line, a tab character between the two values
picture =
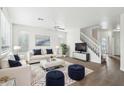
88	31
95	47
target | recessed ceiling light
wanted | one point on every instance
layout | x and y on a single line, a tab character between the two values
40	19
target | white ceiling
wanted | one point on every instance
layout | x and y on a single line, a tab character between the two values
65	17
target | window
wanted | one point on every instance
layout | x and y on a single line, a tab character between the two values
5	33
23	41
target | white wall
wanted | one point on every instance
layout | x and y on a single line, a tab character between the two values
56	37
116	43
73	36
122	42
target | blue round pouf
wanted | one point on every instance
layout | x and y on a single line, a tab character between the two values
76	72
55	78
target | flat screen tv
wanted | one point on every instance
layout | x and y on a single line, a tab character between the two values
81	47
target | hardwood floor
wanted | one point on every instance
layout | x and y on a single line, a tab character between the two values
107	74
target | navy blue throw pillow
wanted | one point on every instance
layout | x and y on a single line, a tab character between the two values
13	63
49	51
17	58
37	51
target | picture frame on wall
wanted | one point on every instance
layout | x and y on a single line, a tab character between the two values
42	40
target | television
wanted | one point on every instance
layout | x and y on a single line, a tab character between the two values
81	47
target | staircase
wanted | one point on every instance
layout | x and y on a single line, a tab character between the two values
94	47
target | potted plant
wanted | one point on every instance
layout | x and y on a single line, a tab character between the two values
64	49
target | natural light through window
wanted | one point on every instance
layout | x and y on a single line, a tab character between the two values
4	33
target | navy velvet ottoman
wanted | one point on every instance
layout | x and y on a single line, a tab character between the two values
55	78
76	72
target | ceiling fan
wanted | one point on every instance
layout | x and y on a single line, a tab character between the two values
59	28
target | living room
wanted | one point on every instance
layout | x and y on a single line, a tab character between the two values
49	49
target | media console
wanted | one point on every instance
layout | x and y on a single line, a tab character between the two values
82	56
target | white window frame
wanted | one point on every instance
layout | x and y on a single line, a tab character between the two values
9	39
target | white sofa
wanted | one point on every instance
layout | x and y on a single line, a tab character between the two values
22	74
37	58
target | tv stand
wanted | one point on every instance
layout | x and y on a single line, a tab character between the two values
81	55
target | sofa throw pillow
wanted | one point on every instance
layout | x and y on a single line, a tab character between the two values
17	58
43	51
11	57
13	63
49	51
37	51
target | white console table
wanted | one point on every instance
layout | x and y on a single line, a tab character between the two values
82	56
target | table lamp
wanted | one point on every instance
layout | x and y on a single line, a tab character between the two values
17	48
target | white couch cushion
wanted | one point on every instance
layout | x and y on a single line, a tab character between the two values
23	62
11	57
43	51
4	63
35	57
38	57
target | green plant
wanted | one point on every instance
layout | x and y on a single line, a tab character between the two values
64	48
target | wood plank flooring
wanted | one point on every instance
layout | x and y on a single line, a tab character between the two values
108	74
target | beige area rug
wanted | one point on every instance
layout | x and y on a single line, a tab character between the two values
41	74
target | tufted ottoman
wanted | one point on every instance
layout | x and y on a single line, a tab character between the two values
55	78
76	72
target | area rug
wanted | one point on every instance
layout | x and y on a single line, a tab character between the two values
41	74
